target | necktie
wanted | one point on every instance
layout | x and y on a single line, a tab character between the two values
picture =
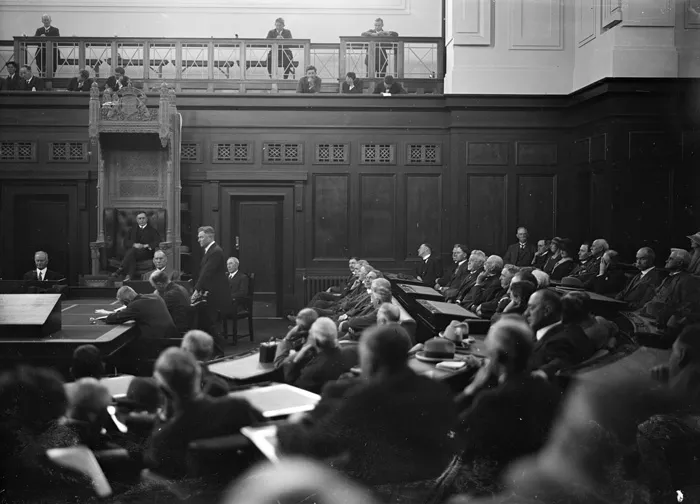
41	276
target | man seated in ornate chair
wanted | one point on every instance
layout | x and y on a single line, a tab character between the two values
141	243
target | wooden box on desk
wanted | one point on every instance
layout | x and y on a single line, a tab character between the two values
29	315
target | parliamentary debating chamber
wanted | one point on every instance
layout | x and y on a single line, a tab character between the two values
386	251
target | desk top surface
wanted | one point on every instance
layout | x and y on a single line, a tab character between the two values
241	367
446	308
593	295
422	290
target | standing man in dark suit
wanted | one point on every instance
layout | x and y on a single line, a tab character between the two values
46	31
82	82
12	82
557	345
213	280
284	56
430	268
141	244
31	83
521	253
641	288
42	273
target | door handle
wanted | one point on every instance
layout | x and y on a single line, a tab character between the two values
238	243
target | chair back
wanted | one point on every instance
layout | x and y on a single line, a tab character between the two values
118	222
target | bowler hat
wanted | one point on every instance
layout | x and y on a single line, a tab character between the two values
436	350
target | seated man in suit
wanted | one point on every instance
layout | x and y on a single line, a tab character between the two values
31	82
176	298
450	283
514	418
558	345
351	84
499	297
487	285
542	254
335	293
390	426
117	81
142	242
12	82
160	261
475	266
82	82
521	253
237	282
388	313
591	268
319	361
584	257
310	83
201	345
42	273
430	268
354	325
641	288
611	278
151	317
189	413
389	86
296	336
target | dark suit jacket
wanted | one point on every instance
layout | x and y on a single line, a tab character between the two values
147	236
203	418
36	83
641	289
510	421
53	32
177	300
394	430
12	83
486	291
273	34
540	261
238	285
561	347
514	255
396	88
609	284
429	270
151	316
172	275
30	276
111	82
562	270
357	89
496	305
454	279
304	86
587	272
213	279
467	284
678	295
84	86
314	372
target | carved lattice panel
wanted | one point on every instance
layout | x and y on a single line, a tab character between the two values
423	154
68	151
332	153
378	154
281	153
139	189
17	151
238	153
189	152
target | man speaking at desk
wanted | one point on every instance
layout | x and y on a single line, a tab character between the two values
142	242
42	273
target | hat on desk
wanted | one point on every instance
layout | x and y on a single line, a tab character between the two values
437	350
571	283
456	332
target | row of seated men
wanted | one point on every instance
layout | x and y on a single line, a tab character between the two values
388	429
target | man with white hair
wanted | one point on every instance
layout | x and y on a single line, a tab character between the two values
42	273
475	266
160	263
514	418
201	345
46	30
487	284
388	313
591	268
319	361
380	293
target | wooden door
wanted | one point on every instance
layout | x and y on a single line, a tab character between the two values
256	239
45	226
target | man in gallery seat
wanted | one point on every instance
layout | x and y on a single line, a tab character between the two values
42	273
430	268
237	282
640	289
521	253
214	282
449	285
160	263
141	244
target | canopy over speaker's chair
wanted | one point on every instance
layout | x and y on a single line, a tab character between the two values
138	170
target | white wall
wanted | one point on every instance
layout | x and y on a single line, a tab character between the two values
510	46
318	20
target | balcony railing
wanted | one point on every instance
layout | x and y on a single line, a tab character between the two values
234	65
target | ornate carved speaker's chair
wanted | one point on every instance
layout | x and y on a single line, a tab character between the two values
138	170
117	224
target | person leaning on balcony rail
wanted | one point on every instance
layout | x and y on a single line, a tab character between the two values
351	85
285	57
310	83
46	31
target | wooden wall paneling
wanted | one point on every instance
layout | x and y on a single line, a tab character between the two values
691	14
487	212
687	182
536	25
611	13
536	206
649	13
487	153
533	153
377	210
423	204
330	233
599	148
649	146
581	151
192	218
585	21
469	22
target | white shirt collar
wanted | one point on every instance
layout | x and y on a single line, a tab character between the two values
461	262
675	273
42	271
426	258
206	249
231	275
646	271
544	330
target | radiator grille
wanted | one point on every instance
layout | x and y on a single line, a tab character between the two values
318	283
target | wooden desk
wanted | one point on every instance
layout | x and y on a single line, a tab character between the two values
433	316
244	369
600	305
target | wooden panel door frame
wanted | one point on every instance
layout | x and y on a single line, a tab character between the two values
286	195
9	194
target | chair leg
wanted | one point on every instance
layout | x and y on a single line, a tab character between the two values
250	327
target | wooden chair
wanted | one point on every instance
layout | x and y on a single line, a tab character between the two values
242	310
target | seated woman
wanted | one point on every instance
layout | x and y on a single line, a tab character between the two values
565	264
576	310
554	255
310	83
352	84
